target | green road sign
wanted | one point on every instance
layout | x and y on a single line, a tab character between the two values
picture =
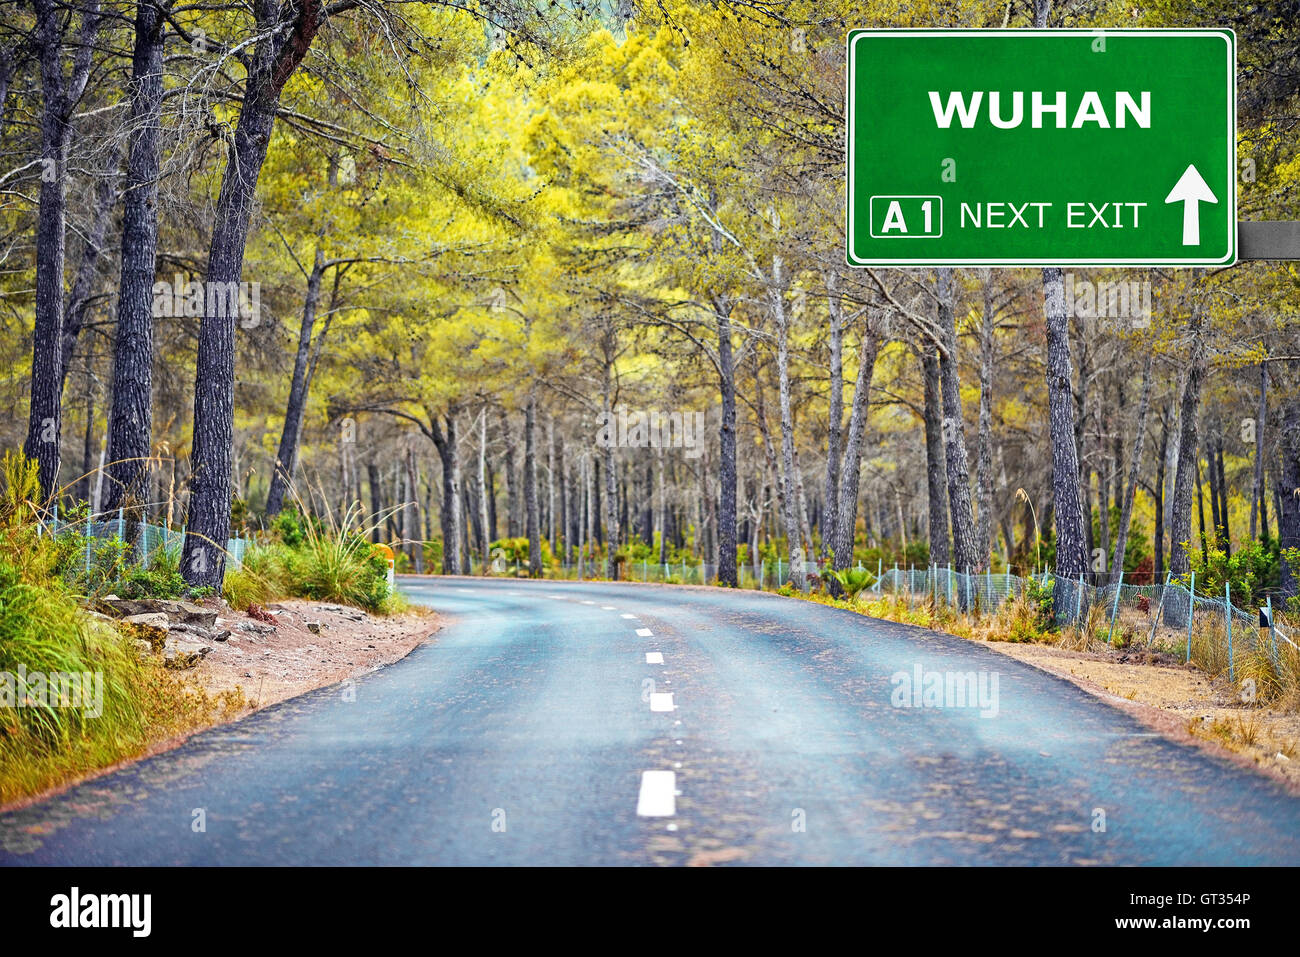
1041	147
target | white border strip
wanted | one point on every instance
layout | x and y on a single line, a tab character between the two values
1227	35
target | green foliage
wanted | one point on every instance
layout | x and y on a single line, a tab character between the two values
258	579
1041	599
287	526
43	630
514	551
334	563
854	580
1246	571
161	578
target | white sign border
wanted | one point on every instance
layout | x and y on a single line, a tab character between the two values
1228	35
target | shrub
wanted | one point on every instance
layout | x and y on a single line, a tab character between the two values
160	579
43	630
1042	597
854	580
257	580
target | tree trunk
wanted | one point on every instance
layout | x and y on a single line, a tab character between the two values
130	420
92	253
835	430
414	547
510	481
1288	520
450	513
612	531
286	459
1180	526
271	62
936	470
1130	490
1160	499
566	509
1071	560
60	95
847	511
484	491
793	540
984	443
530	489
1223	531
726	448
376	500
964	547
1200	513
1257	490
553	532
1211	460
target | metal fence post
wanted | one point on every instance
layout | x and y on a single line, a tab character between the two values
1227	615
879	571
1160	610
1191	614
1114	610
1078	602
1272	632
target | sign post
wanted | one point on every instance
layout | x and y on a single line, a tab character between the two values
1041	147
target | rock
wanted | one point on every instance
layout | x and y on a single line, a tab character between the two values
176	611
1281	757
146	631
314	627
200	634
255	628
142	647
179	653
154	619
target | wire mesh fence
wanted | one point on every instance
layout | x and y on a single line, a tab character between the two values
1213	632
146	540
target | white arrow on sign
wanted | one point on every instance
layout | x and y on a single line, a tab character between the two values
1191	190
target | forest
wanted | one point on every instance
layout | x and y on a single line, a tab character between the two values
541	284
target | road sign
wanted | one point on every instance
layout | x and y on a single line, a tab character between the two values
1041	147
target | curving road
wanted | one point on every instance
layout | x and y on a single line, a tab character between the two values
523	734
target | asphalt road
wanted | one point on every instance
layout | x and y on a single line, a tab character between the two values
523	734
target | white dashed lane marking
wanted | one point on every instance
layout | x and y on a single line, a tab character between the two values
658	797
645	633
661	701
654	657
627	616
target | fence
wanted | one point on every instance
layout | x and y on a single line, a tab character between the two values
148	539
1213	632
